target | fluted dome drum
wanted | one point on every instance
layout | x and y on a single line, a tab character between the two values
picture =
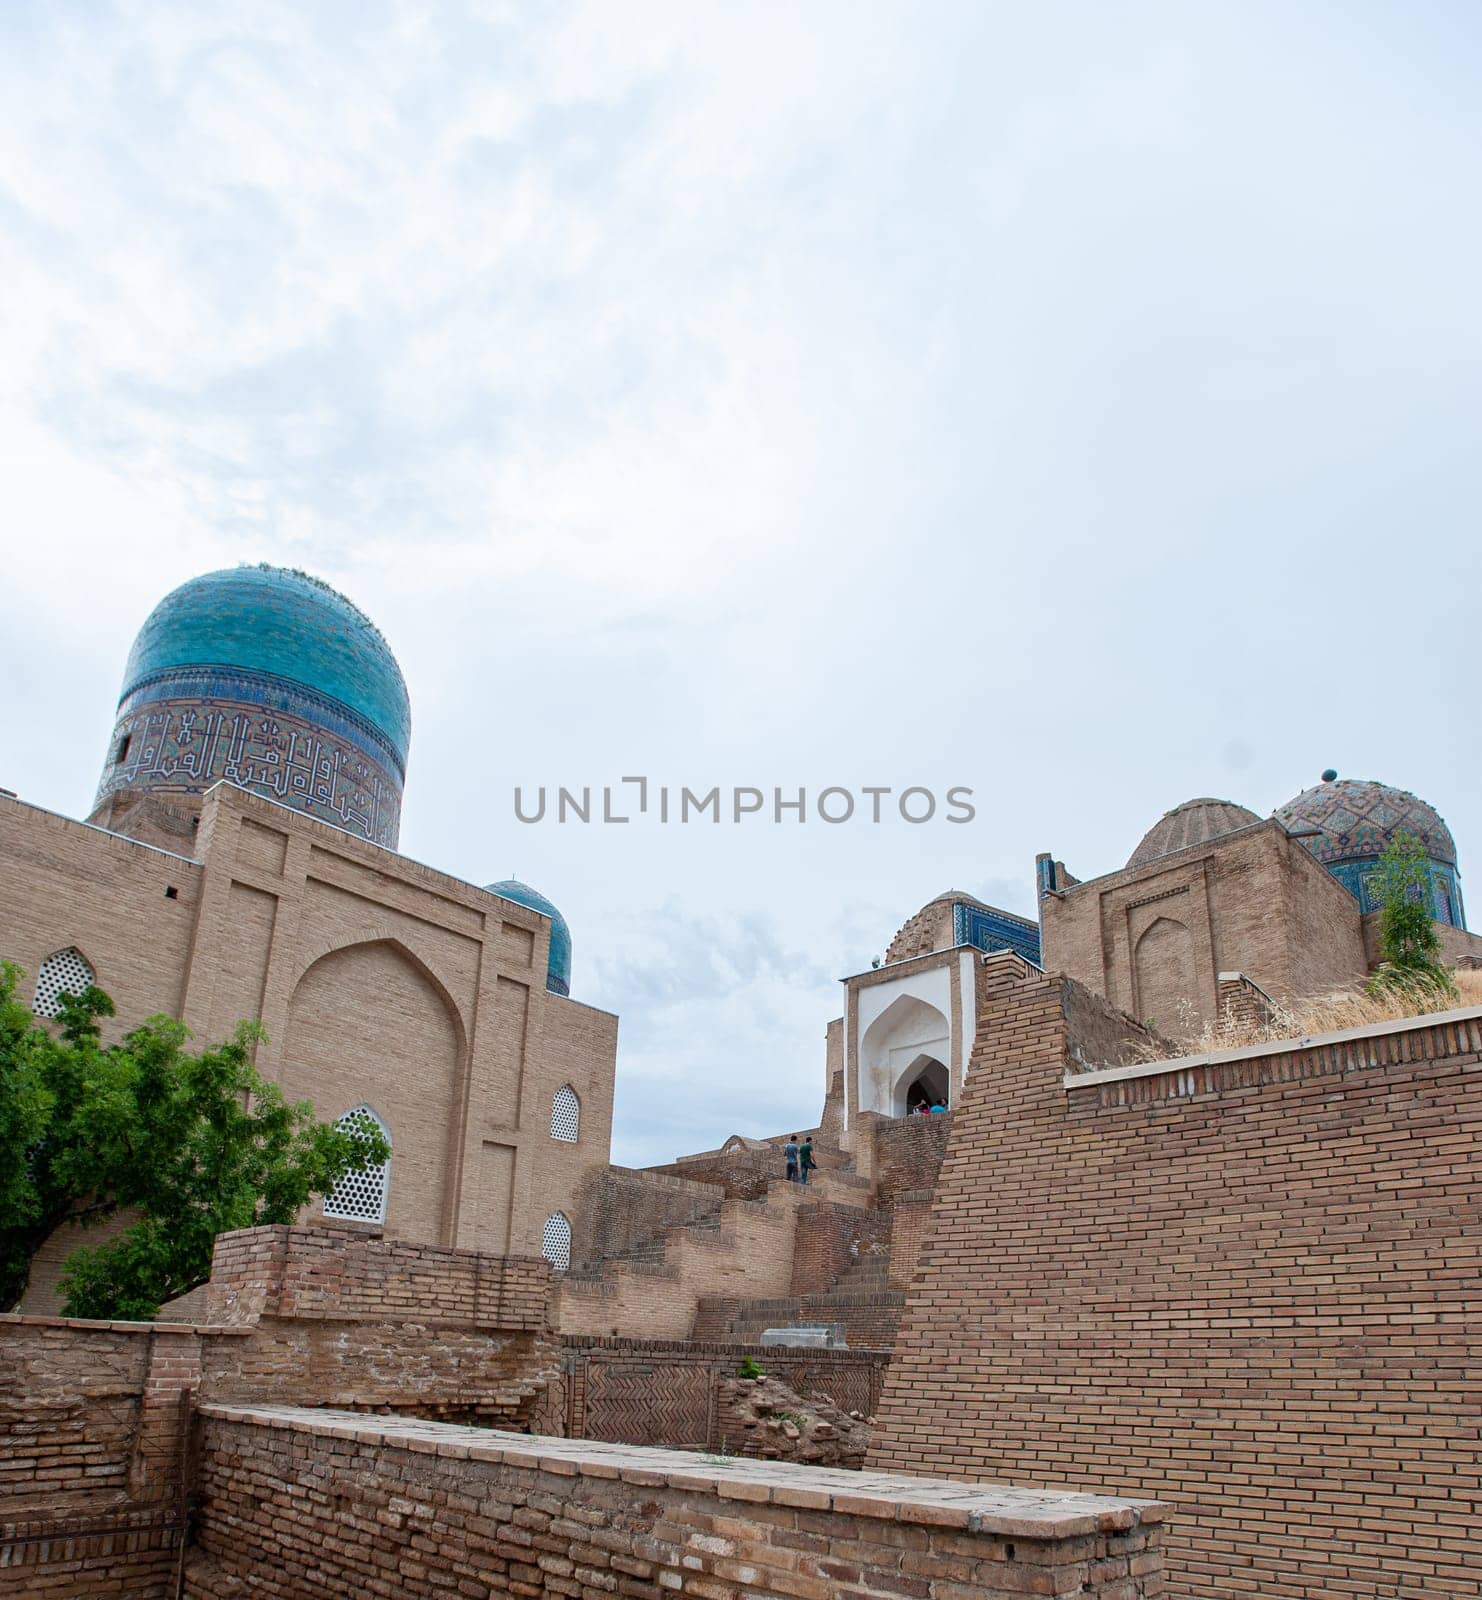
1194	822
1347	823
558	962
267	678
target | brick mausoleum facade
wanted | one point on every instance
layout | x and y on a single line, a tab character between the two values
1041	1246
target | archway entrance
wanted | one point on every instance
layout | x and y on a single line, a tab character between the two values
924	1084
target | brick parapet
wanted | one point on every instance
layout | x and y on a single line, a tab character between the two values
330	1274
431	1509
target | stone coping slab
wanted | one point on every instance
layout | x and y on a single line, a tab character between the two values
20	1319
937	1502
1275	1047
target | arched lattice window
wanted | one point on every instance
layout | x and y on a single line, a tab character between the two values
63	972
565	1114
555	1242
361	1196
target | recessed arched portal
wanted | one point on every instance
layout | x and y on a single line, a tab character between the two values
894	1050
373	1013
925	1083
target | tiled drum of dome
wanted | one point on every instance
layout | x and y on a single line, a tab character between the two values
994	930
1355	820
271	680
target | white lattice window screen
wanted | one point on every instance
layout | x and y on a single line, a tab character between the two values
63	972
565	1115
361	1196
555	1242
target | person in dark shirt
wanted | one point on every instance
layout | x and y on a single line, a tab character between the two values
806	1163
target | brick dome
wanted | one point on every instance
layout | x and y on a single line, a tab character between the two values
1194	822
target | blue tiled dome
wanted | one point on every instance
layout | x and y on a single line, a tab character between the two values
267	679
1348	822
274	620
558	966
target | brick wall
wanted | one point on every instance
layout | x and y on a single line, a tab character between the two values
830	1238
664	1392
344	1507
905	1152
1243	1006
94	1417
337	1273
348	1319
93	1425
870	1320
622	1211
1249	1283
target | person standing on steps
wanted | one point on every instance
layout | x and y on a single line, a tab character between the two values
806	1163
790	1152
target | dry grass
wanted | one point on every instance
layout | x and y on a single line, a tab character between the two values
1325	1013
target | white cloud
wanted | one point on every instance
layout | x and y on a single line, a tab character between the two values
1069	401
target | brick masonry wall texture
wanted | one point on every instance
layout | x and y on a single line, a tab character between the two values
665	1392
381	1325
93	1428
299	1502
94	1417
623	1211
1252	1288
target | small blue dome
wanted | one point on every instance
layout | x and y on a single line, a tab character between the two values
278	621
558	966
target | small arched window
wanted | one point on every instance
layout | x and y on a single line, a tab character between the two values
63	972
565	1114
361	1196
555	1242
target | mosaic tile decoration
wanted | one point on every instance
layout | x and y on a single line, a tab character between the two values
185	746
288	624
991	929
1356	819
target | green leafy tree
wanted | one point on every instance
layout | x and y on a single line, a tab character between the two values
1409	947
192	1144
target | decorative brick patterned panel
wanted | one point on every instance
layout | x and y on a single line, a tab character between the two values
648	1372
646	1402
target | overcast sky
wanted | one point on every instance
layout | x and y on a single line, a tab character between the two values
1078	402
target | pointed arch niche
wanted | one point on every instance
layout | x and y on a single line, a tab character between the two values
369	1025
910	1037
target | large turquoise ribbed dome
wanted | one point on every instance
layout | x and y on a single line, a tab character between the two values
558	966
283	622
268	679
